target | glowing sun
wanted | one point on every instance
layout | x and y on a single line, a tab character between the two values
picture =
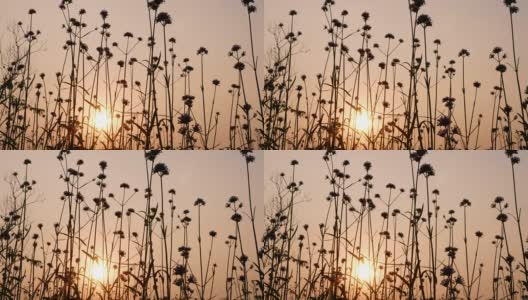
101	119
363	121
364	271
97	271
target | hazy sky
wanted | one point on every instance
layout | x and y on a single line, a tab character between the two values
479	176
476	25
213	176
216	25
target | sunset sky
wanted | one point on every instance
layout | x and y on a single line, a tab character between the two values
479	176
213	176
216	25
73	87
476	25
